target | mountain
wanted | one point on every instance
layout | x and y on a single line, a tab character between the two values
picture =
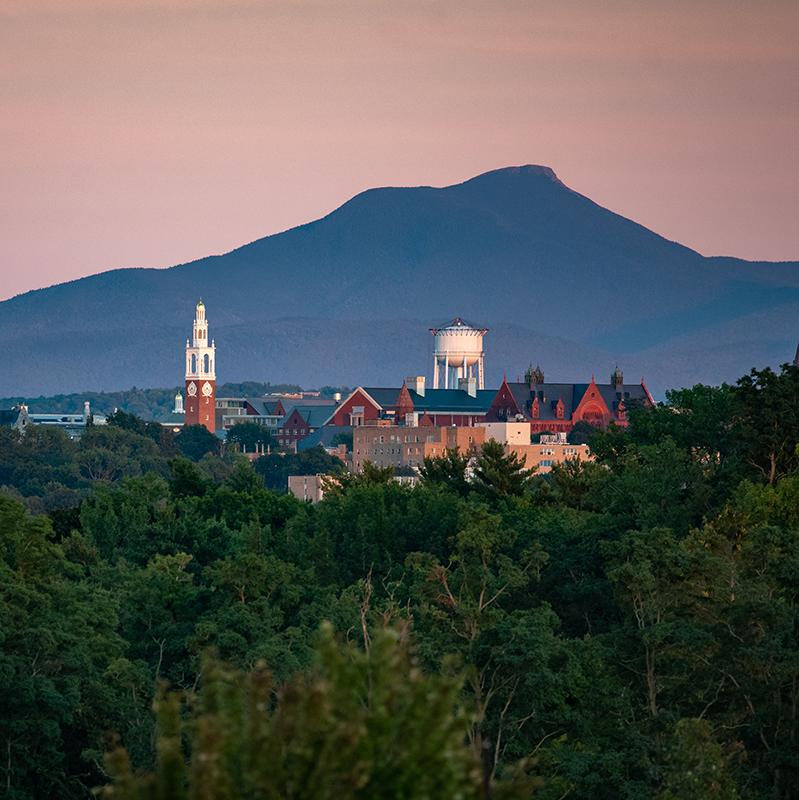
348	298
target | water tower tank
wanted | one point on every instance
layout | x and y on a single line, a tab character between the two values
458	351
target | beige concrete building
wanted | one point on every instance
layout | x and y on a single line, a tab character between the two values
552	449
507	432
309	488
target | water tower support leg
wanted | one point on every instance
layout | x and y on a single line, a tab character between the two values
446	372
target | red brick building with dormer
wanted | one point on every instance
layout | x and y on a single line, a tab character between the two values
556	407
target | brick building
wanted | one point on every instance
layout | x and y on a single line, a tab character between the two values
301	421
556	407
387	445
464	406
200	403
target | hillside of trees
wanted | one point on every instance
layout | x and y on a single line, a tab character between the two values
172	627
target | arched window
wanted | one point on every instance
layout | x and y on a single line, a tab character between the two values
206	364
193	364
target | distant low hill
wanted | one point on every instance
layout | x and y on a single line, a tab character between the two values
347	299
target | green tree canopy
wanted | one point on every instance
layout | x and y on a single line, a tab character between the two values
195	441
248	437
360	724
449	471
497	474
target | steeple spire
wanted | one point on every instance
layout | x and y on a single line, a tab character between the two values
200	374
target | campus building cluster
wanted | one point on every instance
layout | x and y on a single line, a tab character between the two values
399	426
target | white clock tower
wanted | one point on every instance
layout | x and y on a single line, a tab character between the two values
200	401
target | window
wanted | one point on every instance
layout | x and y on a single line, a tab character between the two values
206	364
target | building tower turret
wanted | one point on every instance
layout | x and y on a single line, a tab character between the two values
201	374
617	379
534	377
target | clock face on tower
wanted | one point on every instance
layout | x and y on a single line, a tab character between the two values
192	388
207	389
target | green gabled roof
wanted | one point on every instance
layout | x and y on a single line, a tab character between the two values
323	436
441	400
435	400
315	415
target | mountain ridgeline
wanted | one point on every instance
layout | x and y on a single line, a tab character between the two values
348	298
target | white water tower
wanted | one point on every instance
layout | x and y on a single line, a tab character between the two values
458	351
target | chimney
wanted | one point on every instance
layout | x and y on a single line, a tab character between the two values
87	411
468	385
416	384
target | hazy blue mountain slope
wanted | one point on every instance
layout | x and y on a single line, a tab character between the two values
348	298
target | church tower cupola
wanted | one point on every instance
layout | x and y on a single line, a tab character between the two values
200	403
533	377
617	379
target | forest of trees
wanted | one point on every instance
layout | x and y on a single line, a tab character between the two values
171	626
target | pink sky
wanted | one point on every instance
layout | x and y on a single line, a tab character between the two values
151	132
